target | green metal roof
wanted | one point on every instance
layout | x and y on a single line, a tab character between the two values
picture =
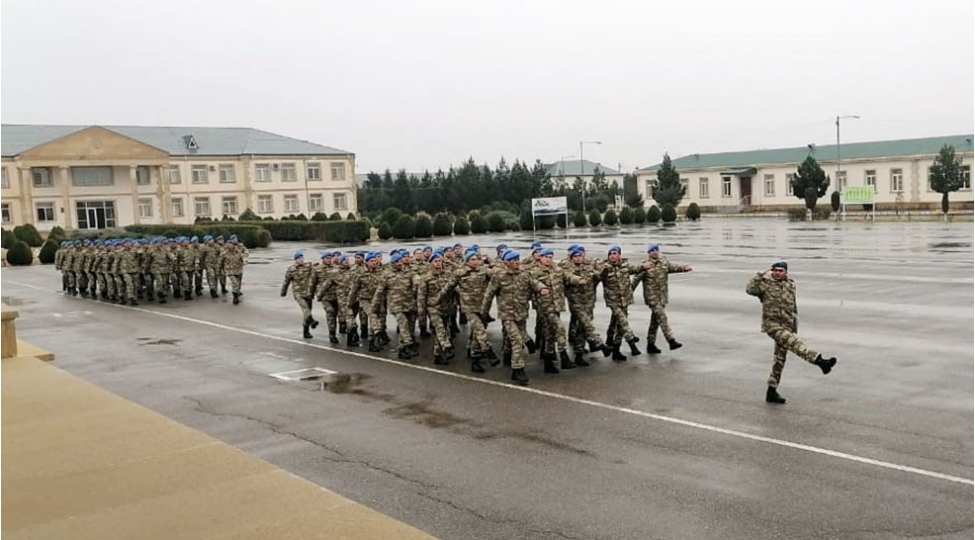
848	151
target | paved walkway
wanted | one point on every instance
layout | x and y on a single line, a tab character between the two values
80	462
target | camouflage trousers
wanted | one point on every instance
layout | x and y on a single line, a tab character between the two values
92	282
222	278
553	330
331	315
235	281
211	272
131	284
119	285
162	284
581	327
658	320
619	326
107	284
438	323
304	302
185	284
786	341
478	338
354	311
80	280
198	279
405	323
514	337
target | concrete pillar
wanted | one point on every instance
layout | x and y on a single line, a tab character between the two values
27	196
250	201
68	222
163	194
8	343
134	184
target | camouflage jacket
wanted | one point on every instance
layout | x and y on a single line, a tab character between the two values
128	261
398	288
470	284
161	260
513	288
231	261
301	279
67	261
362	285
210	256
429	285
582	296
186	259
653	276
555	279
617	289
778	299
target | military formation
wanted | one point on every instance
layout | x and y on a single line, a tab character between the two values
431	293
126	270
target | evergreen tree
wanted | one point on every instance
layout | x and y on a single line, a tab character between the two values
631	191
946	175
809	175
667	189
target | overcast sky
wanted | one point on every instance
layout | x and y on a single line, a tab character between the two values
425	84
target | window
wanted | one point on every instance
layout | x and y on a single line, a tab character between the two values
338	200
6	212
291	203
262	172
896	180
704	190
45	211
142	176
41	177
770	185
91	176
338	172
95	214
840	180
316	203
726	186
177	207
227	174
4	182
649	189
229	206
870	179
265	204
201	175
145	208
288	173
313	171
174	176
201	206
966	177
684	184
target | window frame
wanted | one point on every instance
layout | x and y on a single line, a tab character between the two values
4	179
173	203
704	187
297	206
266	167
270	205
293	176
194	169
5	216
870	179
899	174
49	183
227	168
344	207
966	178
726	183
179	175
143	176
196	208
313	166
337	165
74	179
320	197
767	181
144	203
223	205
47	206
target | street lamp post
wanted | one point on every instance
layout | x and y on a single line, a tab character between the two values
582	167
562	164
838	118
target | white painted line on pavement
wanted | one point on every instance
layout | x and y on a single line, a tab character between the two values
581	401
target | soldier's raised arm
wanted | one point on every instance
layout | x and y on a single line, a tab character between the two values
756	285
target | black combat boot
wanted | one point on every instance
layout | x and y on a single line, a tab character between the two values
352	338
565	361
439	360
550	366
652	348
373	345
617	355
132	302
236	298
449	354
493	359
580	359
424	333
530	343
162	299
415	348
214	293
385	337
364	331
312	321
463	318
476	365
518	377
674	344
403	353
188	295
342	328
634	350
150	297
199	292
506	357
825	364
223	288
306	334
772	396
333	339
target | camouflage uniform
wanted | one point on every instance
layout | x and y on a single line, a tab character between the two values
618	295
780	320
432	304
341	281
106	260
654	277
397	290
230	263
362	288
300	277
470	284
78	270
161	260
513	289
128	267
210	261
89	269
582	301
552	305
115	269
186	261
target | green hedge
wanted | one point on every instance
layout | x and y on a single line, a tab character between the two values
20	254
693	212
668	213
626	215
579	219
422	226
9	239
610	218
48	250
595	218
461	226
653	215
27	233
335	232
640	216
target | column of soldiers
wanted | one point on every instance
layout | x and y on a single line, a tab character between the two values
127	270
432	292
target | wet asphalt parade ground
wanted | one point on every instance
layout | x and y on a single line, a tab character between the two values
676	445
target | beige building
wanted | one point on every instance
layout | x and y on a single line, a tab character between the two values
100	177
759	179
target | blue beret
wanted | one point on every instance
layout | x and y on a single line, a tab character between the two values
780	264
574	247
426	248
547	253
326	254
436	255
233	238
511	255
458	245
536	245
372	255
474	247
469	254
337	254
220	238
343	259
653	247
614	248
575	252
396	257
299	255
194	239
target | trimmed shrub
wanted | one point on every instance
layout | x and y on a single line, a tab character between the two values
601	202
248	215
391	216
579	219
821	213
422	226
350	217
385	231
693	212
496	222
50	247
442	225
479	225
318	216
560	221
668	214
9	239
595	218
20	254
611	218
653	215
639	216
27	233
302	217
626	215
834	201
335	217
57	233
797	214
405	228
461	226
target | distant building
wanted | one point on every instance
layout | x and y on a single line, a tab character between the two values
898	171
585	169
99	177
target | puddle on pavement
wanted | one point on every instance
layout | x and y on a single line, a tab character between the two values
151	341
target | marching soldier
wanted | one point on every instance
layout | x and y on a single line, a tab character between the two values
470	282
430	303
397	290
300	277
230	264
654	277
618	295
